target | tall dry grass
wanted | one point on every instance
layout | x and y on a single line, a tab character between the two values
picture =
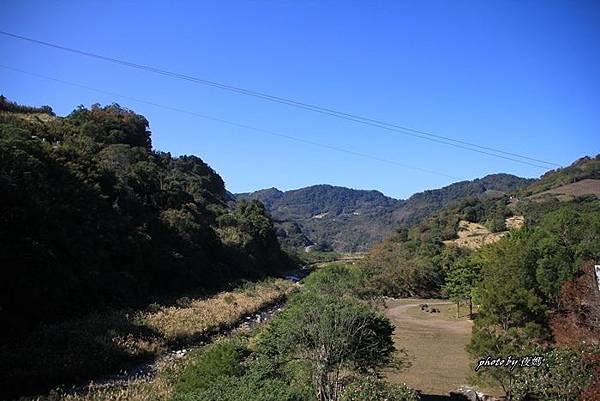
103	343
204	316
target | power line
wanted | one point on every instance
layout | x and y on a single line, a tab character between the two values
244	126
494	152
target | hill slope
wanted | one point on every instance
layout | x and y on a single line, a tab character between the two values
93	216
415	259
353	220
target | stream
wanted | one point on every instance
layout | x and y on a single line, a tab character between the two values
146	370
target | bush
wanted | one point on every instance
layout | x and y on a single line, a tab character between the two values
331	332
245	388
221	359
564	376
370	389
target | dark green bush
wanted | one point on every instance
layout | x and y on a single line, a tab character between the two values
221	359
370	389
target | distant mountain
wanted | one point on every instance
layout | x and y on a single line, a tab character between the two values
586	168
424	204
347	219
327	216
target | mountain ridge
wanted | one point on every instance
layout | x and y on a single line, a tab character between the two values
346	219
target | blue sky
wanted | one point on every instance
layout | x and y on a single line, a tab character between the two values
522	76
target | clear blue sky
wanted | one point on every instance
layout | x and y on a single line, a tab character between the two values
523	76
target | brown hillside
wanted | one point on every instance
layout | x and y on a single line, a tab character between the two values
475	235
567	192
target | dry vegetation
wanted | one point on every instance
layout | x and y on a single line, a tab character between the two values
202	316
435	344
104	343
475	235
158	389
570	191
515	222
32	117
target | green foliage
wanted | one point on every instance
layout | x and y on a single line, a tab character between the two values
223	358
586	167
229	371
508	293
13	107
329	330
461	278
410	268
302	354
245	388
369	389
565	239
92	216
565	374
521	279
422	205
337	279
353	220
314	257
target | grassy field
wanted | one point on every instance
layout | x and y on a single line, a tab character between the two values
78	350
435	345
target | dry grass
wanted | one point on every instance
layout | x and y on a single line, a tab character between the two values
32	117
159	389
570	191
206	315
104	343
435	344
474	235
515	222
134	391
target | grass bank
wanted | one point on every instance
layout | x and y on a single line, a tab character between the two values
76	351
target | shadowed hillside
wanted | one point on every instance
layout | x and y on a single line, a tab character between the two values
93	216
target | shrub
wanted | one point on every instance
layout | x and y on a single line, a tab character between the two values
221	359
245	388
564	376
370	389
332	334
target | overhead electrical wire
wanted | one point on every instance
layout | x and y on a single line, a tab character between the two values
231	123
490	151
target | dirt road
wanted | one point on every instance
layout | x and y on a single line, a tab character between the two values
435	344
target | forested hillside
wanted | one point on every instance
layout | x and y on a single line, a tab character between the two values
93	216
346	219
424	204
327	216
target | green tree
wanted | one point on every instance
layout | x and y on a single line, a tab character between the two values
332	334
512	311
565	374
460	282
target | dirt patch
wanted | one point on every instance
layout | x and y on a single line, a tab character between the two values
435	344
515	222
474	235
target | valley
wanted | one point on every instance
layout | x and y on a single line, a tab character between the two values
180	291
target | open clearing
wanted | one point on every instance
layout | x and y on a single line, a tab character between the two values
435	344
475	235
